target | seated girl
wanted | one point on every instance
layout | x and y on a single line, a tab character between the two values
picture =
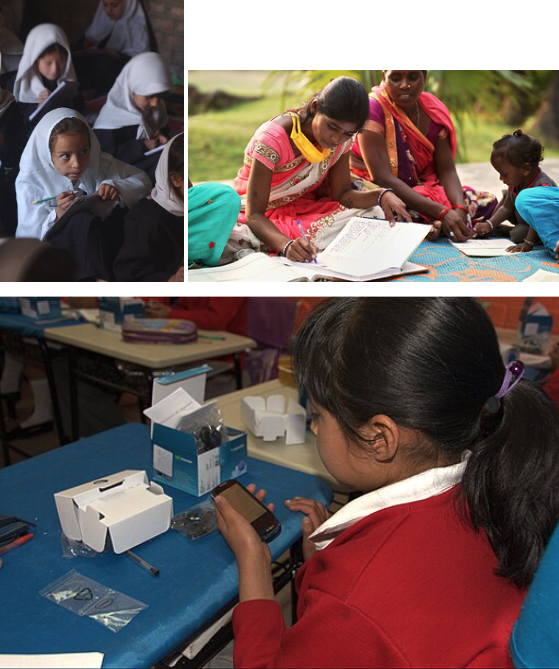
430	566
296	176
409	144
46	63
61	160
517	158
119	31
153	248
134	119
539	207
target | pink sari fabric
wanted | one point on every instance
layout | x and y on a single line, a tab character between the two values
299	188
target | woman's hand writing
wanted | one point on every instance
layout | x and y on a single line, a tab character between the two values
394	209
301	251
455	227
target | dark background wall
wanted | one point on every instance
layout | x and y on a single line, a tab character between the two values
166	18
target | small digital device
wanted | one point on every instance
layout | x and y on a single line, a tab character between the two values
261	518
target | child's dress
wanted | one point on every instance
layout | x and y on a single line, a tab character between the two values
91	241
121	126
519	232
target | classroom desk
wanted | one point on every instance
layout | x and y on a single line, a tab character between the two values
101	357
197	580
26	336
303	457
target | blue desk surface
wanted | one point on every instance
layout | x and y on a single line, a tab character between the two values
197	577
31	327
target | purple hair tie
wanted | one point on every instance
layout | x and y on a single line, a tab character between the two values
514	373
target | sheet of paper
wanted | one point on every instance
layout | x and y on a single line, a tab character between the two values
541	276
254	267
172	408
56	661
484	248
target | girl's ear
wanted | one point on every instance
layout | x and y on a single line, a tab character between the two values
526	168
383	435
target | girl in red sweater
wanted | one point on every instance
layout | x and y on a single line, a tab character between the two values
457	458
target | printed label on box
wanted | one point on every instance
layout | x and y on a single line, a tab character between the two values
162	461
209	470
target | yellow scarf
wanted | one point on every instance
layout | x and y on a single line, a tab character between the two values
305	146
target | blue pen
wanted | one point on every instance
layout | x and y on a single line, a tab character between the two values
304	235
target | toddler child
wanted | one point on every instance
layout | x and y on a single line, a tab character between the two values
457	458
63	159
517	159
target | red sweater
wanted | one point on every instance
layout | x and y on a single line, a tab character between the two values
212	313
408	586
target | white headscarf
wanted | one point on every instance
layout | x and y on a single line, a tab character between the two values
39	179
11	48
28	82
146	74
163	193
129	34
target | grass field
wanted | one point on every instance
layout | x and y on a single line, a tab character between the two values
217	140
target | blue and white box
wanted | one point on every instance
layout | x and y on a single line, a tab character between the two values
41	307
113	311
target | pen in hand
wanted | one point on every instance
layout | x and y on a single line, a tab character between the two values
304	236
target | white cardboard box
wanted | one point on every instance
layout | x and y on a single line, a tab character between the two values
124	507
270	419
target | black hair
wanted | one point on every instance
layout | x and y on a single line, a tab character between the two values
518	149
175	165
70	125
431	364
52	48
343	99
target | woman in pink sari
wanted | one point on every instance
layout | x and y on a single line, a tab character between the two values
409	145
295	184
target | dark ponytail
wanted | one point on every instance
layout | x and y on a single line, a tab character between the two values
343	99
431	364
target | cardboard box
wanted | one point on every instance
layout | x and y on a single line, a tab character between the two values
177	462
535	331
124	508
270	418
193	381
176	458
41	307
113	311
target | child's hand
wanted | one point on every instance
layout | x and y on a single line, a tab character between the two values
89	43
156	309
160	138
43	95
483	228
150	144
110	52
63	201
179	276
107	192
315	514
520	248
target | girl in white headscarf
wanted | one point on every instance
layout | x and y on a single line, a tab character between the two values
134	118
46	63
62	159
153	248
119	31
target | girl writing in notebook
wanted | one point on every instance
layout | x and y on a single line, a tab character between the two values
63	160
457	458
134	119
118	32
46	63
153	248
295	186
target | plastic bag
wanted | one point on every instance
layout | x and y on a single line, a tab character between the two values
85	597
196	522
72	548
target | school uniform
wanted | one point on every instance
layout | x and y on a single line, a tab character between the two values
401	581
214	313
129	36
94	243
153	247
28	83
121	126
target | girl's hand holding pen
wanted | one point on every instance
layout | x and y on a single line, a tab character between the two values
63	201
301	251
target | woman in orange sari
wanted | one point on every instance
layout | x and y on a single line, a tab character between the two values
408	144
295	184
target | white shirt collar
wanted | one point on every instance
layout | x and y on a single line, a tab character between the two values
420	487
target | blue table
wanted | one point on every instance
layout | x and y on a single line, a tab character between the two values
197	580
22	327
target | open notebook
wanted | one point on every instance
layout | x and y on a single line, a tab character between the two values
484	248
93	203
365	250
